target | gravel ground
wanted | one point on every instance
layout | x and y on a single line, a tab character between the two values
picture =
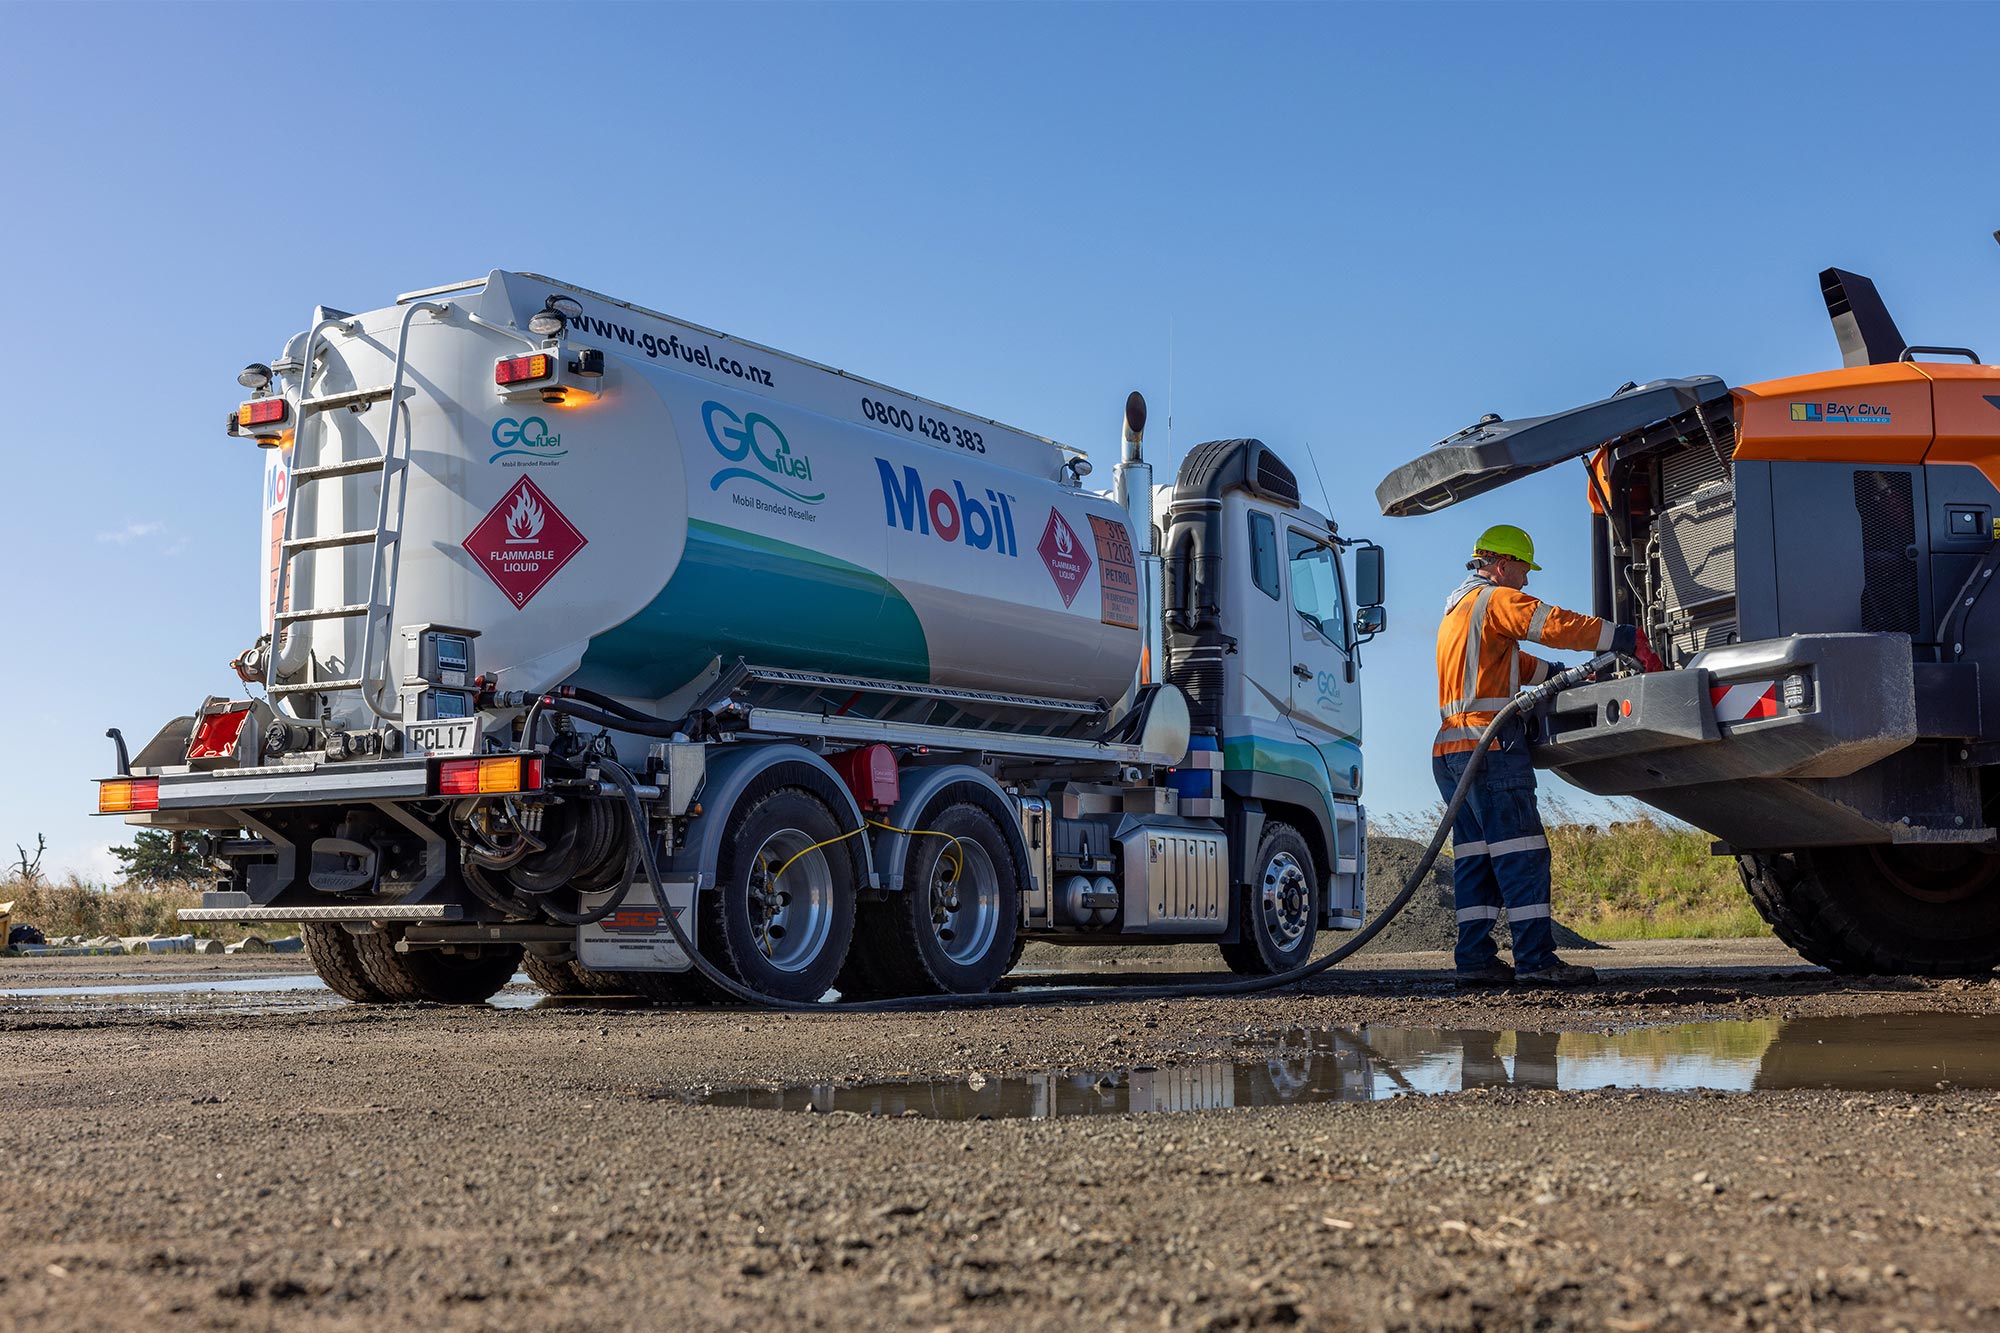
440	1168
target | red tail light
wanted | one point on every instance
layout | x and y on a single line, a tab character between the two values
483	777
520	369
119	796
262	412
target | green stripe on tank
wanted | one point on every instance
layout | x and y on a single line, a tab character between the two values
741	594
1285	758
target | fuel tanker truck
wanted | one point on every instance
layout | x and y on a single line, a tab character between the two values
574	612
1812	557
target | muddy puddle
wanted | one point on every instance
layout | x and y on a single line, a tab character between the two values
289	993
1924	1052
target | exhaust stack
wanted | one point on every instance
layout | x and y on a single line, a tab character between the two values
1132	487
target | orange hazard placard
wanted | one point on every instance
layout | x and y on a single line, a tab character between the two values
1117	576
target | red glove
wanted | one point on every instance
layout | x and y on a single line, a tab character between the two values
1648	659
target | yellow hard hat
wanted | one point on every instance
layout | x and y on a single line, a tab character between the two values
1506	539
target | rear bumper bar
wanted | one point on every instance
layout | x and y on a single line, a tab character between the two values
241	788
1761	743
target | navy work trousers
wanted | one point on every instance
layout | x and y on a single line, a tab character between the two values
1500	857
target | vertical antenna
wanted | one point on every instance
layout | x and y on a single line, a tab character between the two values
1170	377
1325	500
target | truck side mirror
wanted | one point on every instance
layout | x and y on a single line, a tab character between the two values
1370	621
1368	580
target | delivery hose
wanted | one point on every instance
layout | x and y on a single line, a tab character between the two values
729	985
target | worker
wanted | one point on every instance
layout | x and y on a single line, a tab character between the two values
1500	853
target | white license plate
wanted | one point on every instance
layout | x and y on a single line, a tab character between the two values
458	735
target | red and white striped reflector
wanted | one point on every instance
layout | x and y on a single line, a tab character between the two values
1744	703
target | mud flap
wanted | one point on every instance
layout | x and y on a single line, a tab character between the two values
632	938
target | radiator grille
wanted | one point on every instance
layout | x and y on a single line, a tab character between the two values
1699	465
1698	571
1888	531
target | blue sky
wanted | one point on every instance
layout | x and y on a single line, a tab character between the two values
1364	226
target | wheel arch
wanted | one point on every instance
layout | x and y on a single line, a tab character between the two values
737	775
925	789
1257	797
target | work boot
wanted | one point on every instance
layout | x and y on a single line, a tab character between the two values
1495	973
1559	973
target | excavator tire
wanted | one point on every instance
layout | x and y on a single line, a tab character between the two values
1893	911
331	949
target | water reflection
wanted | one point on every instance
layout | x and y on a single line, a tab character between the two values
1895	1052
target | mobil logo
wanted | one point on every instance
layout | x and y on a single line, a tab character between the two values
982	520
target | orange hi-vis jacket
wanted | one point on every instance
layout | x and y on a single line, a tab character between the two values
1480	662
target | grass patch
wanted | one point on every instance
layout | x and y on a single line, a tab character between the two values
1641	876
73	906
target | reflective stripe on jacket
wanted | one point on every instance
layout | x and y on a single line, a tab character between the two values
1480	662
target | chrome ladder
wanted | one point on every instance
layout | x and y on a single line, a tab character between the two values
376	611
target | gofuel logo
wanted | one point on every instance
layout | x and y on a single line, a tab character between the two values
525	439
756	438
984	524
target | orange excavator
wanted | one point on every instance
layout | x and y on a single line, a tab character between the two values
1814	558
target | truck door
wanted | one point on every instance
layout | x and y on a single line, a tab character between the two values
1326	691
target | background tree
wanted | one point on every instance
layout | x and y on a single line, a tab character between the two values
155	857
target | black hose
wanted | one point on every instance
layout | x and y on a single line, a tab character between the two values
1067	994
1073	994
638	726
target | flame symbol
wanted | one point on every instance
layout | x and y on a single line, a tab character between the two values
1064	546
525	519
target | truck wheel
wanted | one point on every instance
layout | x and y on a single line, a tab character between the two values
434	975
1278	915
783	911
554	977
1927	911
953	928
331	949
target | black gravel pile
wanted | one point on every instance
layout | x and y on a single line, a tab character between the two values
1430	922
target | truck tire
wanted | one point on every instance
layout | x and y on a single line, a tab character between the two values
954	927
331	949
682	990
554	977
1278	913
786	939
1924	911
433	974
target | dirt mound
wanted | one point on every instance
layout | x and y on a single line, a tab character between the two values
1429	922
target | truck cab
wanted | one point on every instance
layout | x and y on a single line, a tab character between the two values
1262	639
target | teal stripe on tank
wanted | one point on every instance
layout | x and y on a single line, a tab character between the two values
739	594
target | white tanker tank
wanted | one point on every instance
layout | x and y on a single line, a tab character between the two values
668	499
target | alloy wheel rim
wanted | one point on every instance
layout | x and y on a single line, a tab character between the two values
1286	900
791	900
964	902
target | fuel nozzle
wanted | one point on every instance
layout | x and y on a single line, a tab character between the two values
1574	676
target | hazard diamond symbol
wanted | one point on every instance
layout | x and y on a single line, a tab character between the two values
1062	551
523	542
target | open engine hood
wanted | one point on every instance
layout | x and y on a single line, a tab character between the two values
1494	452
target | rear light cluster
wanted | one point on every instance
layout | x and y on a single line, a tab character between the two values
521	369
483	777
261	412
123	795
